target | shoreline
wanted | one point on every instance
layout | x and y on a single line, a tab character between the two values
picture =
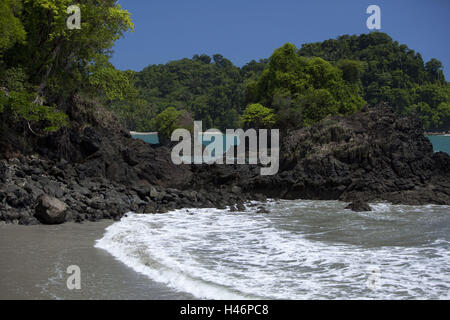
109	174
34	260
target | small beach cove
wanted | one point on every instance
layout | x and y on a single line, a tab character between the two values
34	262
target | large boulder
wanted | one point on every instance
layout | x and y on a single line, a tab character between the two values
50	210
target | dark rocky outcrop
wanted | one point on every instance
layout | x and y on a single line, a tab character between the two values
359	206
372	155
100	172
97	169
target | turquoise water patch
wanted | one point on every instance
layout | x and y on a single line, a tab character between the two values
207	139
151	138
440	143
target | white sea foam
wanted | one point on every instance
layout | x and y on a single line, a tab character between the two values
295	252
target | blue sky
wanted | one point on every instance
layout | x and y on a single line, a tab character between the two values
242	30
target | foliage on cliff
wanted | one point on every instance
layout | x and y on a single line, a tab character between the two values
43	62
211	89
299	91
257	116
336	76
303	91
393	73
171	119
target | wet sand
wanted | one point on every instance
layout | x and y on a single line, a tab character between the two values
34	262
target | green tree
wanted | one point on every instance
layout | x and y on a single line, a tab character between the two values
19	106
55	57
211	89
308	89
434	68
11	28
169	120
107	80
58	62
257	116
391	73
351	70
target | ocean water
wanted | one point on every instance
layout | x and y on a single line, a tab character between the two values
300	250
440	143
206	140
149	138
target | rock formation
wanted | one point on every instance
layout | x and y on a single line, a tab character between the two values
97	170
372	155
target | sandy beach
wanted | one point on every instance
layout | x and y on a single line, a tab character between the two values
34	262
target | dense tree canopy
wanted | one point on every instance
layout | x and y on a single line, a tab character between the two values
303	91
11	28
52	61
43	62
299	86
390	72
171	119
211	89
257	116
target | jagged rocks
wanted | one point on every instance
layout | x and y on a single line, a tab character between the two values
101	173
359	206
3	171
373	154
240	206
90	141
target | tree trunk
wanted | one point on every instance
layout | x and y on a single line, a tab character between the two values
39	96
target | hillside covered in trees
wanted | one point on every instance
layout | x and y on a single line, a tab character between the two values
296	87
390	72
44	64
60	148
211	89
